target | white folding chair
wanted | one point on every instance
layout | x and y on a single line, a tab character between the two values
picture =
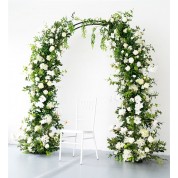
84	125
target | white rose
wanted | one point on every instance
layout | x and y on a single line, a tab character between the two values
53	30
125	30
37	128
124	19
37	79
138	64
129	109
51	48
50	105
63	34
51	41
144	133
29	140
119	145
48	57
45	92
135	52
125	45
131	60
127	68
140	81
140	142
49	83
112	20
42	99
47	146
122	112
40	85
123	130
137	120
151	139
147	150
146	85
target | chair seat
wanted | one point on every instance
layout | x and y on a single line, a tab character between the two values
75	131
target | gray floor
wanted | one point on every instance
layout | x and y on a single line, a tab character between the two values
41	166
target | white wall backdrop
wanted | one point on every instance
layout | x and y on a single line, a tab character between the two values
88	69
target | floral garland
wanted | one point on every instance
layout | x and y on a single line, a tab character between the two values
137	126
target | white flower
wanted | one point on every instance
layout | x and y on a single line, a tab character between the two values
49	83
63	34
51	48
141	154
140	142
42	98
48	118
43	66
39	104
123	130
30	149
43	121
39	58
31	118
134	87
129	109
37	79
137	120
140	81
112	20
146	85
127	154
48	57
147	150
127	68
45	92
129	140
144	133
132	99
124	19
47	77
131	60
45	139
40	85
151	139
37	128
53	30
125	30
50	105
138	98
50	73
51	41
122	112
125	60
119	145
138	64
38	44
135	52
47	146
125	45
29	140
51	134
130	132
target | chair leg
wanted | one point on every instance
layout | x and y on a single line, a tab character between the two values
95	146
60	146
81	150
74	145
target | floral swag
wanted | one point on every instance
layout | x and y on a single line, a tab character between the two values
137	127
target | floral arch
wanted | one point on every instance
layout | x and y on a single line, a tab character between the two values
135	134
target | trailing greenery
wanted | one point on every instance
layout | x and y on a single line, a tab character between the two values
135	134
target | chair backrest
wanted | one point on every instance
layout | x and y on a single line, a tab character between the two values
85	113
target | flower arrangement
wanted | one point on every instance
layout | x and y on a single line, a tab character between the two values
137	128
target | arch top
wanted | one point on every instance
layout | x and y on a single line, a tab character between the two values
137	125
